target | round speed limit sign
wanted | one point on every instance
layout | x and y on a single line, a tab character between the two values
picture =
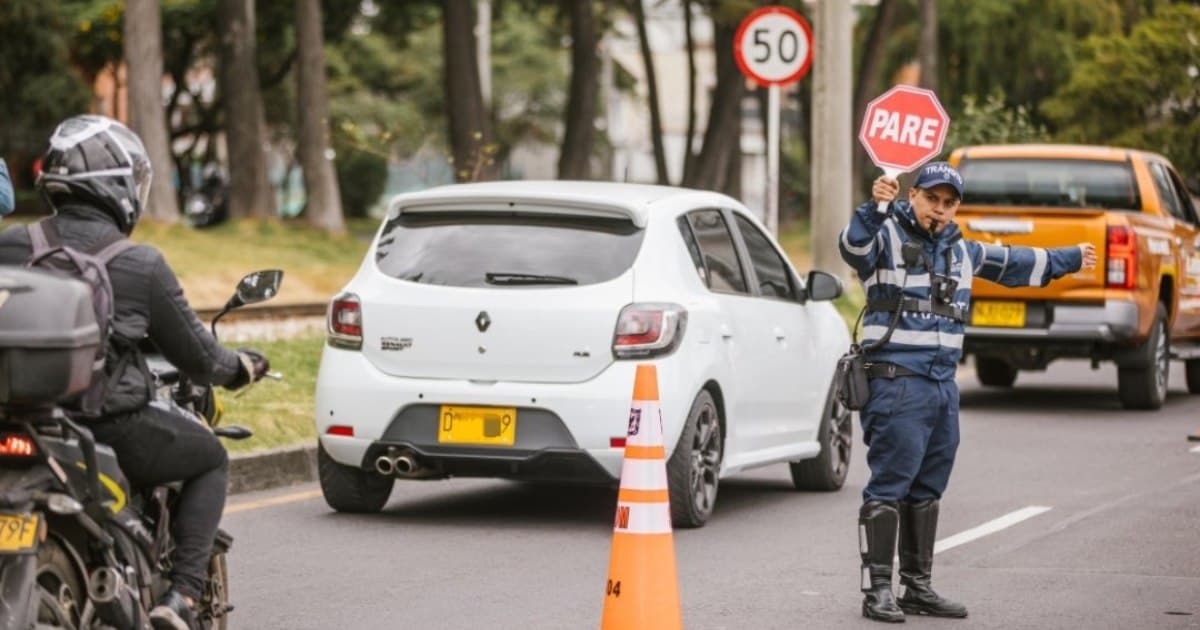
773	46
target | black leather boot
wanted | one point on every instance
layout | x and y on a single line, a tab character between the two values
918	530
877	523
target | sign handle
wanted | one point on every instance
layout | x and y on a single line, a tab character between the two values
893	174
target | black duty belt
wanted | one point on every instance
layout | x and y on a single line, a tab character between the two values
914	305
888	370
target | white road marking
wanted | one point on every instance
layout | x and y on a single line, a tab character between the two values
990	527
1195	449
234	508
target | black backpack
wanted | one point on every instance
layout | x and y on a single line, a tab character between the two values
49	252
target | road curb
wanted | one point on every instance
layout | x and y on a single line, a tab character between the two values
263	470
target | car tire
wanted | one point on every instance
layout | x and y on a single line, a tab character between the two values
1192	371
351	489
695	467
1145	386
827	471
994	372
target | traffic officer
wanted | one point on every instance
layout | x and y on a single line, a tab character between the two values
917	271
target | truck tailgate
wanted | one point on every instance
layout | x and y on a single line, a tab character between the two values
1039	227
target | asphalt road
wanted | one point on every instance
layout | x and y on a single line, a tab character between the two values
1118	546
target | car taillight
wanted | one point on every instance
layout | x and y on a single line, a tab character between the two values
1121	257
647	330
16	445
344	324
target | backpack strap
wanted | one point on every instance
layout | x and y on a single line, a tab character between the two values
107	253
44	238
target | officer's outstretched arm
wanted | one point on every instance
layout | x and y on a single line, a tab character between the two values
860	242
1023	266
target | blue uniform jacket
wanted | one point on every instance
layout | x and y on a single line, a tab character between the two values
6	190
924	342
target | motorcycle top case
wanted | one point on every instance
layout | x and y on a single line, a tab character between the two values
48	337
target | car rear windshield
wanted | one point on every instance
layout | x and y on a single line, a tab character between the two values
465	249
1051	183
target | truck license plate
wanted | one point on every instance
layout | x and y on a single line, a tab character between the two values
1006	314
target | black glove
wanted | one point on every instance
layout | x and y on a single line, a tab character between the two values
253	365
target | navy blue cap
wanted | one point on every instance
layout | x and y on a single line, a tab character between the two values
936	173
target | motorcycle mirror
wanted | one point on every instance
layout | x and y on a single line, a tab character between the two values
259	286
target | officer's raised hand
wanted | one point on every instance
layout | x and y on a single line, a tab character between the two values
885	188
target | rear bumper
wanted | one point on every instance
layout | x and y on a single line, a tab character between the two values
1115	321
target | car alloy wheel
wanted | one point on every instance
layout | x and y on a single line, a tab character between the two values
706	460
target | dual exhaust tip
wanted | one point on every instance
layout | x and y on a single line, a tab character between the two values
403	464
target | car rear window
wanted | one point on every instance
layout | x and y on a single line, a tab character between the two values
506	250
1051	183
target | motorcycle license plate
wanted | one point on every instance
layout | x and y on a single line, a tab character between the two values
491	426
1007	314
18	533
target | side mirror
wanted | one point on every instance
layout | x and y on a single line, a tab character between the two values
233	432
823	286
259	286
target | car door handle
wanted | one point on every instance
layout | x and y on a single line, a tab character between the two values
780	335
726	332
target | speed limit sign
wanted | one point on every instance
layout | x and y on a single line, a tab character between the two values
773	46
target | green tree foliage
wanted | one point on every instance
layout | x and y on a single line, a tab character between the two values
1141	90
38	87
992	122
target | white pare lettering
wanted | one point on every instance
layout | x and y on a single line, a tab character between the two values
908	129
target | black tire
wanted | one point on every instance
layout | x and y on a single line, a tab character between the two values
59	587
827	471
351	489
694	467
1192	371
1145	386
994	372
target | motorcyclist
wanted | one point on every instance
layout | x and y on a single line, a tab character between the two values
96	177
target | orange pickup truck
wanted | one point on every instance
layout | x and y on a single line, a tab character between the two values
1140	307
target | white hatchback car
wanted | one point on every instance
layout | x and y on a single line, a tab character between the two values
493	330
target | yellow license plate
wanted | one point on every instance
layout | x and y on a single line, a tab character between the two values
18	532
1008	314
492	426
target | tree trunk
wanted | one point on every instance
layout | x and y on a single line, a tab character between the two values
927	51
250	193
869	69
722	137
656	134
324	203
689	158
574	160
147	118
471	139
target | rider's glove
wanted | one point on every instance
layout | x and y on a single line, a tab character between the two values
253	366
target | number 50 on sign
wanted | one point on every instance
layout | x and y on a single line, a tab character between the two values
773	46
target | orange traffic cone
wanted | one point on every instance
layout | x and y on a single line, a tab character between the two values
643	590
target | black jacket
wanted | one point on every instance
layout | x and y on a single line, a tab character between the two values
147	301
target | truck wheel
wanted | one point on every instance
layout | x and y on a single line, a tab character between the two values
1145	386
995	372
351	489
1192	370
827	471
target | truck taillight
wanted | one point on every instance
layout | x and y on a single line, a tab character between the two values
648	330
344	323
17	445
1121	257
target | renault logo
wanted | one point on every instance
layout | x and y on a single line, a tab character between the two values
482	321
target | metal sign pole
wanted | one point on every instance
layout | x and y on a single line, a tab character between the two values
772	196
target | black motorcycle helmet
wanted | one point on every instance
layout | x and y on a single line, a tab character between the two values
96	161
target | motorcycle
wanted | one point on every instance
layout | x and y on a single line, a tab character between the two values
79	548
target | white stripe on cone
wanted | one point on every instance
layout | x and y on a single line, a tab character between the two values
645	424
644	474
642	518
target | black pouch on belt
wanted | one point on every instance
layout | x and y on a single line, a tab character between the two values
853	386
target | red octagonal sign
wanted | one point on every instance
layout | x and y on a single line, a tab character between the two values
903	128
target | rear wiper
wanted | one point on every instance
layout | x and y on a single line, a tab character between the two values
526	278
